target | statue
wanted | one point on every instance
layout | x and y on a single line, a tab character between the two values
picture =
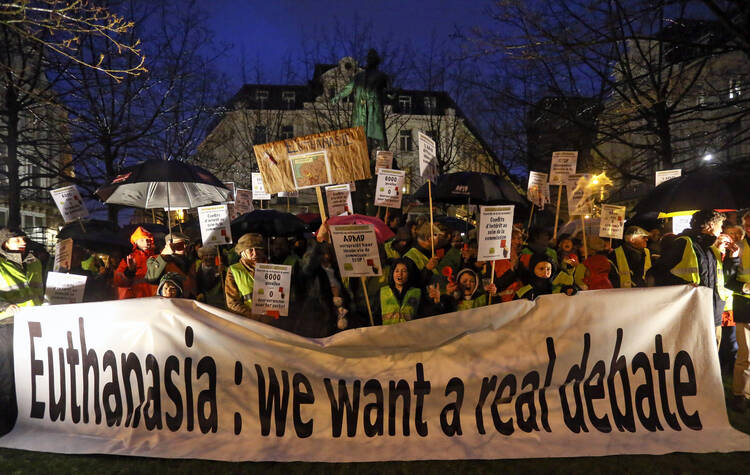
369	88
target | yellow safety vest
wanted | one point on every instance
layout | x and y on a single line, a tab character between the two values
562	279
623	269
419	259
724	293
391	253
687	268
480	301
245	282
743	273
390	309
21	287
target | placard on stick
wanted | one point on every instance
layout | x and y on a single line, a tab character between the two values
259	189
243	203
64	288
666	175
563	164
356	250
538	189
612	221
427	157
383	159
577	202
271	290
63	255
495	229
70	203
339	200
215	225
346	151
388	189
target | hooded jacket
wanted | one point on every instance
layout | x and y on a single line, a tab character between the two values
599	269
132	284
21	275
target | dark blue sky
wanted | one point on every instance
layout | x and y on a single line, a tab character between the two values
269	30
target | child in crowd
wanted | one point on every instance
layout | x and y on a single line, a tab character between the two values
465	292
539	279
170	285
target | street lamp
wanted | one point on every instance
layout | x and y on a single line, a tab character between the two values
708	157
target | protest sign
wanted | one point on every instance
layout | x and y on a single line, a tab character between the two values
495	228
271	289
176	378
352	186
339	200
388	189
383	159
63	255
310	169
70	203
64	288
232	189
427	157
356	250
666	175
259	190
563	164
346	152
612	221
243	203
538	189
215	225
578	202
681	223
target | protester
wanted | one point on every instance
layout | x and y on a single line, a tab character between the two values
208	278
538	242
465	292
170	285
173	258
22	283
418	254
281	254
400	301
740	285
130	275
729	253
399	244
632	260
240	278
507	271
538	280
98	288
597	272
565	247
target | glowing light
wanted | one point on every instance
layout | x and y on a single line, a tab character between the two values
708	157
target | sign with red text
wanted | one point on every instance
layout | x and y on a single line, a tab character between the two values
215	225
70	203
612	221
388	191
495	228
271	287
356	250
339	200
562	165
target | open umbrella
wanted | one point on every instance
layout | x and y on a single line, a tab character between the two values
99	236
707	188
454	223
382	232
472	188
267	222
312	220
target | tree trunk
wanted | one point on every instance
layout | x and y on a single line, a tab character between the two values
14	181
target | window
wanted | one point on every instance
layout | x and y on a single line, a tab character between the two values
289	99
430	104
38	221
36	180
261	97
3	217
404	104
287	132
404	140
260	134
735	88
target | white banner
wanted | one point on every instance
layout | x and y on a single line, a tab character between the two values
356	250
612	221
577	205
215	225
538	189
495	226
666	175
563	164
427	157
175	378
259	190
70	203
388	189
63	255
383	159
243	203
339	200
271	289
64	288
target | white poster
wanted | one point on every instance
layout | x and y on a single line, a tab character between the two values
356	250
271	290
612	221
339	200
64	288
70	203
388	189
63	255
681	223
666	175
215	225
605	372
232	189
383	159
495	227
563	164
259	190
538	189
427	157
243	203
577	204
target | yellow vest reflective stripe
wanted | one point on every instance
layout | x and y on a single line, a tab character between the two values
724	293
391	253
480	301
687	268
19	287
390	309
90	264
743	273
419	259
623	269
579	273
562	279
244	281
523	291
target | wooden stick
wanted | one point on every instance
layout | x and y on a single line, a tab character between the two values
492	280
367	300
432	234
153	216
531	217
80	221
287	204
321	205
385	219
585	247
557	211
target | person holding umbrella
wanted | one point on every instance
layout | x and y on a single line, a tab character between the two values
129	278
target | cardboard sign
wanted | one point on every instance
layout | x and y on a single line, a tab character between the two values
538	189
70	203
577	204
495	229
64	288
259	189
339	200
681	223
388	190
232	189
427	157
271	290
310	169
243	203
383	159
356	250
612	221
666	175
563	164
215	225
346	152
63	255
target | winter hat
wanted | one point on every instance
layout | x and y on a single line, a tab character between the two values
476	280
207	251
176	279
7	233
140	233
176	237
250	241
424	231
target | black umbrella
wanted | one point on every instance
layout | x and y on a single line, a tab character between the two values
454	223
267	222
707	188
99	236
472	188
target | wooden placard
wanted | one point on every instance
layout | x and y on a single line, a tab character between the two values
347	156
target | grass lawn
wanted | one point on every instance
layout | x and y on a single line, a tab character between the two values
23	462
